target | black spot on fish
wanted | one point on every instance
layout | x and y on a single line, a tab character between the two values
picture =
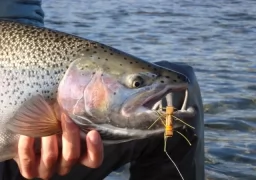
121	65
162	81
93	73
174	80
111	53
87	49
125	58
105	51
167	77
130	62
106	59
94	52
114	93
98	57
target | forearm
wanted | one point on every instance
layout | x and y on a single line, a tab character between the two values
25	11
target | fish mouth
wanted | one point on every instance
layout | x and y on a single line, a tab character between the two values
152	101
153	104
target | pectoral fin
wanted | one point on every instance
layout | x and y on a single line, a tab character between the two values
36	118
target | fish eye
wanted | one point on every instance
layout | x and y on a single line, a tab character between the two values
137	82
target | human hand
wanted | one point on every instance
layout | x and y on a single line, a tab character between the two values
51	159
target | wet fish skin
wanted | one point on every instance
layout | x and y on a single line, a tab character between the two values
36	60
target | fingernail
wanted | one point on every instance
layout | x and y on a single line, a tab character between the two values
94	138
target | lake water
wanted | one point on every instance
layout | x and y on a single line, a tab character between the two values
217	38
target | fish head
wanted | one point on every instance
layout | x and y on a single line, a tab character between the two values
116	94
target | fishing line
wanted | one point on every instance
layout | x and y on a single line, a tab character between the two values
172	160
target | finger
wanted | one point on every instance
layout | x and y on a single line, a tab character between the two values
26	157
94	156
49	156
70	145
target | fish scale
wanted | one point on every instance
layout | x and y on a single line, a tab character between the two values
36	56
34	61
31	61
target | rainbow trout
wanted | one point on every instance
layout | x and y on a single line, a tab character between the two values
44	72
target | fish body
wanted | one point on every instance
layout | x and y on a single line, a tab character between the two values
44	72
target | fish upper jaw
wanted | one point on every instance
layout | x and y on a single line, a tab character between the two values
146	99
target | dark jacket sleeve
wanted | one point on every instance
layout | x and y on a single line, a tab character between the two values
25	11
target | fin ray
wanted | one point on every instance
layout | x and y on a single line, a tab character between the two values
35	118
